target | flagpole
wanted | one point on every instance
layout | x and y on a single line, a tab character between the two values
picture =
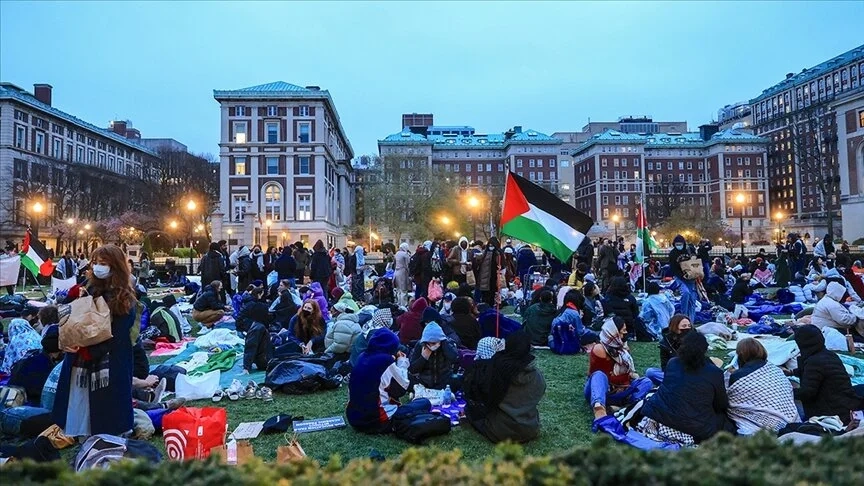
644	218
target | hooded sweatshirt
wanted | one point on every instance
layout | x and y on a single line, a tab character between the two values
675	254
459	256
410	324
376	383
829	312
318	295
825	386
434	372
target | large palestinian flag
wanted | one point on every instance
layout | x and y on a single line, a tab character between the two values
35	257
535	215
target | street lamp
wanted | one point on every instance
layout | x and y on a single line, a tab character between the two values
616	219
37	211
739	198
191	206
779	217
445	220
268	223
474	204
228	244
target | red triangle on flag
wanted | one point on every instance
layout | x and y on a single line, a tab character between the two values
515	203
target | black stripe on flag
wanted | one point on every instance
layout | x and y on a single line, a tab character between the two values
550	203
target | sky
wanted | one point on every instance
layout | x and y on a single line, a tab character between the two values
491	65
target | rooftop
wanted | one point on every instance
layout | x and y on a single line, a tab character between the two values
497	140
11	92
856	54
658	140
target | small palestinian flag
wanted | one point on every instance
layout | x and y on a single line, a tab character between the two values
35	257
535	215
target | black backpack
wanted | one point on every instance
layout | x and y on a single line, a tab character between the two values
414	265
419	427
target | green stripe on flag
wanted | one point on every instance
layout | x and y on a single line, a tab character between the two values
29	264
533	232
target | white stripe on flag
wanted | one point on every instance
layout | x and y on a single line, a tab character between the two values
9	268
61	284
554	226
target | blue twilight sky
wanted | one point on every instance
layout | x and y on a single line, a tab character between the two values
492	65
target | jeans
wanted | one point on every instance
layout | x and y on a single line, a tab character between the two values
688	298
656	375
414	407
597	391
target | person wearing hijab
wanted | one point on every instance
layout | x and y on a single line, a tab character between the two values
401	279
503	392
358	279
611	370
22	339
381	319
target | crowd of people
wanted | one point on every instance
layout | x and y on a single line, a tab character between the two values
435	317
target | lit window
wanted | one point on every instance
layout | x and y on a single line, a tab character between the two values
304	133
273	202
305	168
272	165
240	132
272	132
304	207
240	166
861	119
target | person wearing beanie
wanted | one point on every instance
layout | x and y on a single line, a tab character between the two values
432	360
377	382
431	314
825	386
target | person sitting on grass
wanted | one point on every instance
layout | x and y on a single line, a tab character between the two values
283	307
592	309
656	310
253	303
257	349
502	393
763	277
342	332
537	319
208	308
570	315
611	371
760	395
307	329
381	319
830	311
692	401
679	326
377	383
465	322
31	371
410	324
433	357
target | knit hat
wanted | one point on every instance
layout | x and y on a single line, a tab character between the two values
432	333
449	296
430	314
337	293
453	285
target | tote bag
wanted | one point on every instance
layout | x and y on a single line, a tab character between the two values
192	433
692	268
89	323
197	387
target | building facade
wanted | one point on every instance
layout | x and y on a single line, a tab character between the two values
849	110
285	171
701	172
796	115
60	175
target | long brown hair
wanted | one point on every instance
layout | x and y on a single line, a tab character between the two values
312	326
675	322
117	288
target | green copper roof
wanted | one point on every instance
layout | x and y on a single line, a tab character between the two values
805	76
671	140
496	140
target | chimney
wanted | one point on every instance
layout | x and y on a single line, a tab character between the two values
789	75
42	92
313	88
517	129
118	127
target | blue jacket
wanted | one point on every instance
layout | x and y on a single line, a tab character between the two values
568	333
525	259
376	383
656	313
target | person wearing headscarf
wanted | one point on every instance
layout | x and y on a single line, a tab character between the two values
488	347
610	368
459	260
32	370
358	278
401	279
22	339
503	392
381	319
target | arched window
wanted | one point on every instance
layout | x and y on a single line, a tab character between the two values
273	202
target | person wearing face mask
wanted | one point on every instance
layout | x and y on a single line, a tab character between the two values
307	329
679	326
687	288
432	360
94	392
592	309
488	264
612	377
401	279
257	257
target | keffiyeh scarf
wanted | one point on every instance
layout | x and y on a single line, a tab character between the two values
610	338
762	400
487	347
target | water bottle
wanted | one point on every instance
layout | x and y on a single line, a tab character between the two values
446	397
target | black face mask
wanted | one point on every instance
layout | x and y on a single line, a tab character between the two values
683	332
306	313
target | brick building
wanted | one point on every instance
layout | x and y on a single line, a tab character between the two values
59	174
849	110
701	171
797	116
284	159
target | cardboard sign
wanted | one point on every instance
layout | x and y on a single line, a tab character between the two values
315	425
248	430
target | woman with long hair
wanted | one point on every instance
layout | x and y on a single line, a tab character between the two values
94	393
307	328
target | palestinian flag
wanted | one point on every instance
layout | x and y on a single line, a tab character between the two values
645	243
35	257
535	215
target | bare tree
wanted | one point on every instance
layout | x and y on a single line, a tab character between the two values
663	198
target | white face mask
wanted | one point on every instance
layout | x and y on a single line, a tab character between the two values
101	271
434	347
679	246
447	306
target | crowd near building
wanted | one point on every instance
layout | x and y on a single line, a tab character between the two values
285	166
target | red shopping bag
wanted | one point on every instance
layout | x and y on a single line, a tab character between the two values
191	433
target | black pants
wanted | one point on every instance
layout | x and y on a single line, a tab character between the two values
257	348
10	289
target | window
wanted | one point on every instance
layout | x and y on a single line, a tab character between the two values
532	176
91	156
760	197
40	142
605	200
272	132
57	149
20	169
69	152
746	160
240	132
669	165
605	213
861	119
540	163
273	202
603	162
479	167
304	110
303	135
500	167
680	165
552	163
305	165
650	165
272	110
623	162
728	161
531	163
519	163
730	211
272	165
747	173
240	166
488	167
20	134
625	212
79	154
102	160
614	162
238	206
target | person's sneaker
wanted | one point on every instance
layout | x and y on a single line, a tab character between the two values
265	394
174	403
251	390
159	391
217	397
235	390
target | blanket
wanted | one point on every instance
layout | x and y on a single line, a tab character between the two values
226	377
170	349
779	351
857	365
762	400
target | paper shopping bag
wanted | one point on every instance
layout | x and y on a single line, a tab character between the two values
89	323
191	433
234	453
470	279
292	451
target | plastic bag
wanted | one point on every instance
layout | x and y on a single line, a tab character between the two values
192	433
272	278
197	387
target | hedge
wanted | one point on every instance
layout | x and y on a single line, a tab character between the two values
723	460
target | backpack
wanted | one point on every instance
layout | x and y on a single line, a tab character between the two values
416	428
414	265
564	338
99	451
167	324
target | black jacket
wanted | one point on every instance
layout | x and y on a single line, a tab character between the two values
692	402
585	252
250	307
620	301
825	386
244	272
468	330
669	347
208	300
212	267
741	291
320	266
284	310
286	266
704	252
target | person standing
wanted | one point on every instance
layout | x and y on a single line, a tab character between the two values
459	260
68	267
420	270
301	257
608	262
704	254
94	392
488	264
358	277
319	268
401	279
686	287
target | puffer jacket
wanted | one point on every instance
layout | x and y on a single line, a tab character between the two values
341	333
825	386
537	322
517	417
829	312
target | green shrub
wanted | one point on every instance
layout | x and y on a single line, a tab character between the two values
184	252
724	460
